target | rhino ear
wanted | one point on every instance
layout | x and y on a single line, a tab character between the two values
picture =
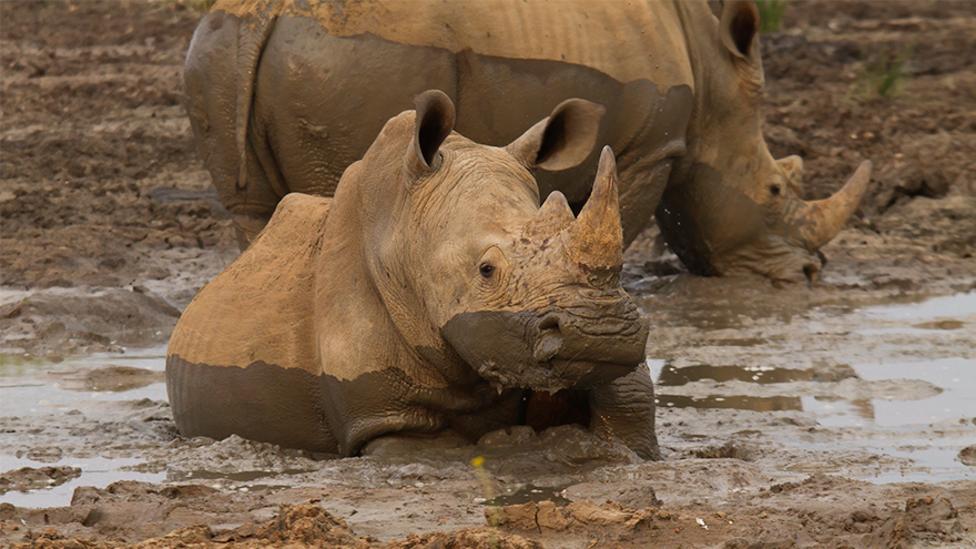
739	27
792	165
434	122
562	140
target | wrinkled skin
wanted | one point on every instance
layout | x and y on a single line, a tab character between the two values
432	296
283	95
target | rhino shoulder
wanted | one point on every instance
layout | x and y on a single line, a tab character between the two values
259	308
297	217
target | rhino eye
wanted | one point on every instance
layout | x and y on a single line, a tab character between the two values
486	269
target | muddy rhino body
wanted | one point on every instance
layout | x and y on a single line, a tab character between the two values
433	295
283	95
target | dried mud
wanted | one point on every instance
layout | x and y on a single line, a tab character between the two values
840	414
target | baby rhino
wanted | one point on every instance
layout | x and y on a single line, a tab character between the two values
432	296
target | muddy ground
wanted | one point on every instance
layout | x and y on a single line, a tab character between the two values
841	415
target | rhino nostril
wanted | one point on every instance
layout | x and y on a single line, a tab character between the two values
549	340
549	323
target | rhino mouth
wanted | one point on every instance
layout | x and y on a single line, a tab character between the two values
552	376
526	350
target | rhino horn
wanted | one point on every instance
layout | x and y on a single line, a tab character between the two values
598	237
821	220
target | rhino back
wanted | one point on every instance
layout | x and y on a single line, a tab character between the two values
625	39
241	360
331	74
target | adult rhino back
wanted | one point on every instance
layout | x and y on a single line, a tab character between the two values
330	74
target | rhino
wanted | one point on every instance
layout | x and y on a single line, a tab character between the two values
283	95
431	297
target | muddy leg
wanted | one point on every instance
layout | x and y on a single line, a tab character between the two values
624	410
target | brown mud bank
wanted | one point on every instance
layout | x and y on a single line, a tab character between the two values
841	414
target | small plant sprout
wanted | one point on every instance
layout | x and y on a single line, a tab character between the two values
883	76
770	14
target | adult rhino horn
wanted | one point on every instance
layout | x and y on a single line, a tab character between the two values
598	237
821	220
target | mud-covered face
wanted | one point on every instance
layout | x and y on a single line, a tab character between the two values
531	318
736	209
538	304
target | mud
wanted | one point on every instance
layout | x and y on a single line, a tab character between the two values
26	479
839	414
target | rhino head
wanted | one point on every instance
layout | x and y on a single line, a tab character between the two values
522	296
736	208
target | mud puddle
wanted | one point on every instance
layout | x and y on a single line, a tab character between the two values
97	472
30	386
34	390
897	381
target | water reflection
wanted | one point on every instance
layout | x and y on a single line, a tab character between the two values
674	376
924	342
33	387
839	412
95	471
739	402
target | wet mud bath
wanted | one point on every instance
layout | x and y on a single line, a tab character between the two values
844	396
839	414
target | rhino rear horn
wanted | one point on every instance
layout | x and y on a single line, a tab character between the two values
553	216
823	219
597	235
562	140
433	123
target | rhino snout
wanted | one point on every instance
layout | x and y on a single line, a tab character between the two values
610	335
554	349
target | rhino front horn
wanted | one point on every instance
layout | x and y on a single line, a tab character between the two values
598	237
821	220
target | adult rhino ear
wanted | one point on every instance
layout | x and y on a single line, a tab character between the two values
739	28
792	167
562	140
433	123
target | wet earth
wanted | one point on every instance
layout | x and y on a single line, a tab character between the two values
842	414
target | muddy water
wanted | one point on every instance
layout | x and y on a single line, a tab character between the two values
893	380
32	390
885	393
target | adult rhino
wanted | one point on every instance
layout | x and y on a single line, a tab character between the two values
283	95
431	295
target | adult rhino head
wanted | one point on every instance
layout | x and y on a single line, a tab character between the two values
526	296
731	207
